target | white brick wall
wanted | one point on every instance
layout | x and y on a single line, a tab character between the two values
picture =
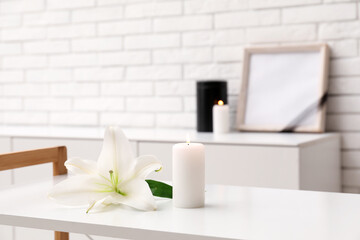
46	18
152	9
124	27
175	88
152	41
320	13
21	7
154	72
128	119
24	62
45	47
164	104
73	118
184	23
71	31
12	34
249	18
183	120
134	63
213	6
47	104
280	3
97	14
98	74
124	58
127	89
73	60
96	44
69	4
290	33
11	76
10	21
48	75
99	104
10	48
177	55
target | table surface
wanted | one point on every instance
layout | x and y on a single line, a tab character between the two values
171	135
230	213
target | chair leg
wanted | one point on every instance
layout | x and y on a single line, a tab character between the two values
61	236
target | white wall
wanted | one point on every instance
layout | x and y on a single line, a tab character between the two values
134	62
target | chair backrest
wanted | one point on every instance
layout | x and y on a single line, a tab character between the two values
56	155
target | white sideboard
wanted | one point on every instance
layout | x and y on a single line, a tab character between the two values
287	160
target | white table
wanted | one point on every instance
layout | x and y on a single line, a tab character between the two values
231	212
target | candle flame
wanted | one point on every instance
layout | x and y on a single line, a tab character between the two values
220	102
187	138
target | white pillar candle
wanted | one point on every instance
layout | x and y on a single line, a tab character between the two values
188	175
220	118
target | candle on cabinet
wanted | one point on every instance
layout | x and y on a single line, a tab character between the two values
188	175
206	93
220	117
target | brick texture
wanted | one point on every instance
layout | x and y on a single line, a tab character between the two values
135	63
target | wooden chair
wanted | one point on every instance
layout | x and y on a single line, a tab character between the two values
56	155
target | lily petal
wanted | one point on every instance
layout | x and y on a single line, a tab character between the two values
79	190
145	165
138	195
81	166
98	205
116	153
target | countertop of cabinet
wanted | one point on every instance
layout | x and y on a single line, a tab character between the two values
170	135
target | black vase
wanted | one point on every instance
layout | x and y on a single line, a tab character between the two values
208	94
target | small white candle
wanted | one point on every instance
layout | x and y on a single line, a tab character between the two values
220	118
188	175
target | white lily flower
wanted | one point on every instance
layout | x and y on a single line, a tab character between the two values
116	178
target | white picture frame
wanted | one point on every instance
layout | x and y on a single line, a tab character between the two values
279	85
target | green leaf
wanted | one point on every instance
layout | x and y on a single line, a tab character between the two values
160	189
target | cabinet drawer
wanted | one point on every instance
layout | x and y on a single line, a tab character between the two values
275	167
258	166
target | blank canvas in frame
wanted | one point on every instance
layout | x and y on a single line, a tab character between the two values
283	89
